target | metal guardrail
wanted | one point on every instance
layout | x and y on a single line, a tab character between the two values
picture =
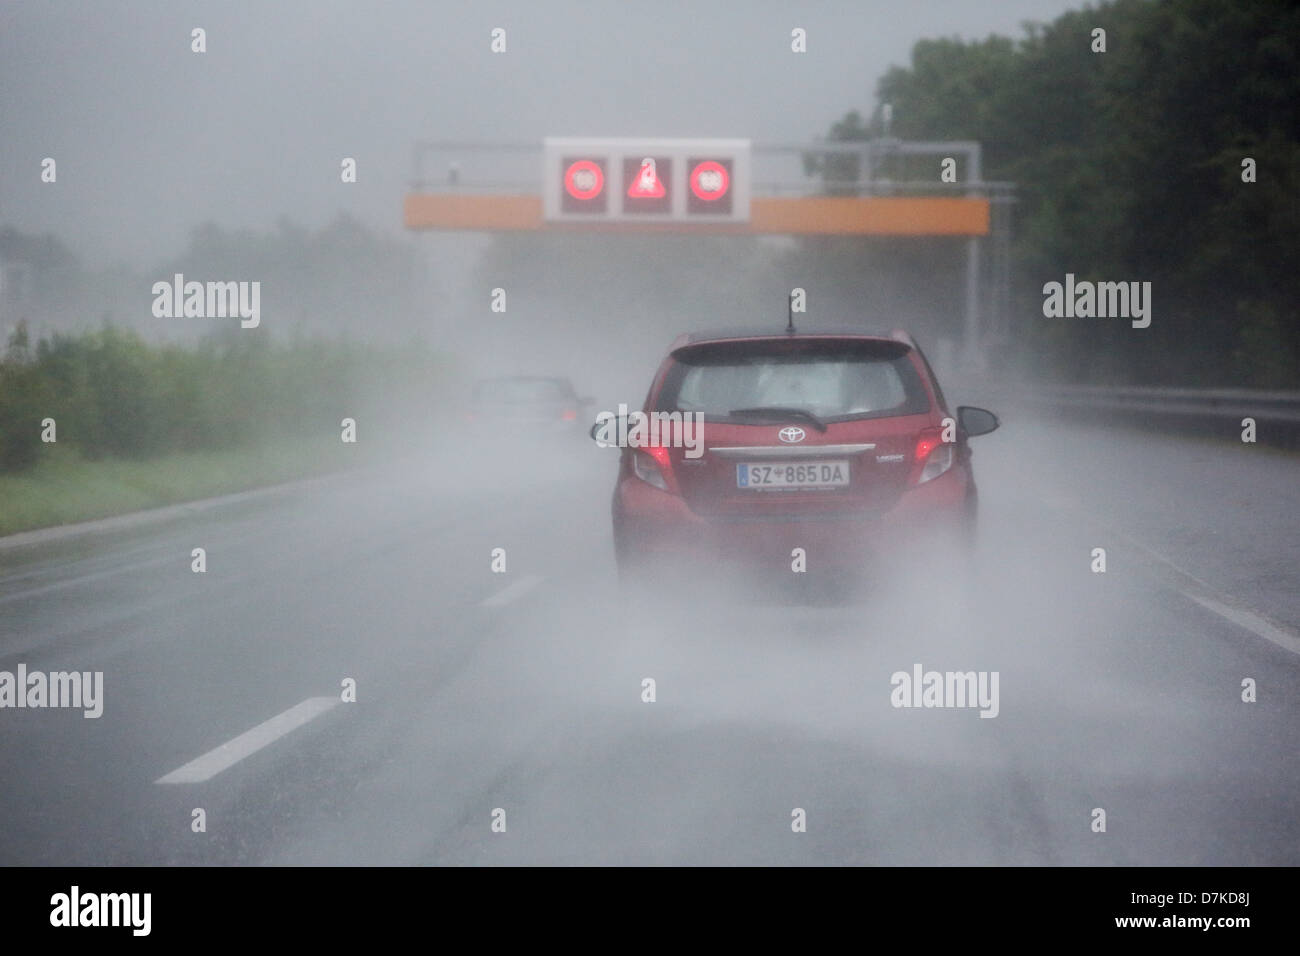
1210	413
996	192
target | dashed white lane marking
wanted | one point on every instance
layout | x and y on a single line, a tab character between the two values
249	742
514	591
1251	622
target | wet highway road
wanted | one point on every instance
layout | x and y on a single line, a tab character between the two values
499	717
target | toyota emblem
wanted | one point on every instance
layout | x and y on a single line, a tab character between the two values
790	434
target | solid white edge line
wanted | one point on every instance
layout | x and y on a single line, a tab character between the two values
250	742
85	578
147	516
514	591
1255	623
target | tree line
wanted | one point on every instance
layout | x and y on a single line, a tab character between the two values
1168	152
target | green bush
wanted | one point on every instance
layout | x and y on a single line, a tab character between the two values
115	396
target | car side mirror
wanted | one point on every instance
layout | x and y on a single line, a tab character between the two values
976	421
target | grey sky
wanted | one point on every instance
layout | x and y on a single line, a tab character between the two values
151	139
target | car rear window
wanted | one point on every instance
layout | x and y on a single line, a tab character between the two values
834	381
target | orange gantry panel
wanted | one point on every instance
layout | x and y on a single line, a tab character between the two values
815	215
873	216
457	211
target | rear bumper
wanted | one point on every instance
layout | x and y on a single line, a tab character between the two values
652	525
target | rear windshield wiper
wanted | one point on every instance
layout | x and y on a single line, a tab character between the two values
780	411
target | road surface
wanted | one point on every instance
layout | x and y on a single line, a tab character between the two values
516	698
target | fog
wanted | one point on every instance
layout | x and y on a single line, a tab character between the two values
460	568
152	140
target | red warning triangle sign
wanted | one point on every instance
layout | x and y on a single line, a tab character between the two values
647	184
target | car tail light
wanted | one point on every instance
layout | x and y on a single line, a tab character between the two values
569	415
651	465
933	453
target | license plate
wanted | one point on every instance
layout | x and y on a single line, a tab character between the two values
779	477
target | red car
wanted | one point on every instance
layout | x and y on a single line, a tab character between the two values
837	443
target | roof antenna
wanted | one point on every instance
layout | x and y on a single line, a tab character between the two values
789	322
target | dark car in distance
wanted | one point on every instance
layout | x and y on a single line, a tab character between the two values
527	403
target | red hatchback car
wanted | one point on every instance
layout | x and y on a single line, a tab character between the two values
837	443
